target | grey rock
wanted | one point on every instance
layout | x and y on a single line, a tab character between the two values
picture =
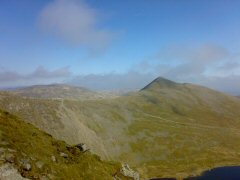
26	165
51	176
83	147
62	154
9	158
33	158
2	150
44	178
8	172
128	172
4	143
11	150
39	164
53	158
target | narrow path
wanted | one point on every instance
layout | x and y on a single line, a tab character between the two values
190	124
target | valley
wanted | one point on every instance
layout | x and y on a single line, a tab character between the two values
119	90
167	129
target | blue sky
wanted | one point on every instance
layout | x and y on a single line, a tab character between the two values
129	42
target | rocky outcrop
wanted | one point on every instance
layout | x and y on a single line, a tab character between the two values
25	163
82	147
8	172
128	172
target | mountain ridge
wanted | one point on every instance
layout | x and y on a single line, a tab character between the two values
64	91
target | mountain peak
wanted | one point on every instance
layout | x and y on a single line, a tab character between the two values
161	82
164	81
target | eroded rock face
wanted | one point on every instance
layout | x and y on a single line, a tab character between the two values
8	172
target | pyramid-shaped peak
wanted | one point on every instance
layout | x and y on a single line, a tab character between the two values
161	82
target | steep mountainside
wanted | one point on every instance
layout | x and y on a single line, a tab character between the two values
36	155
166	129
55	91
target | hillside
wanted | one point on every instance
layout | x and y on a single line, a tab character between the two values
55	91
167	129
36	155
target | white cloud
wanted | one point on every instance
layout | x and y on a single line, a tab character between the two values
130	80
42	72
206	53
208	65
77	23
39	76
227	84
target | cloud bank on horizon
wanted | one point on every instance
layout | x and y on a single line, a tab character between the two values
208	65
38	76
74	27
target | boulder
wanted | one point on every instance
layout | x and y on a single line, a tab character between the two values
62	154
26	164
128	172
83	147
9	158
53	158
8	172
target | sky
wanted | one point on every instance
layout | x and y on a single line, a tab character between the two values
114	45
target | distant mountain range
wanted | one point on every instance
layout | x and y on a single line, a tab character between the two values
166	129
65	91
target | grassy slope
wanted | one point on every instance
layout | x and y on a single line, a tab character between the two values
191	135
195	129
31	143
164	130
191	128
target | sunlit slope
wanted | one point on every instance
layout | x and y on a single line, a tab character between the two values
22	142
166	129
